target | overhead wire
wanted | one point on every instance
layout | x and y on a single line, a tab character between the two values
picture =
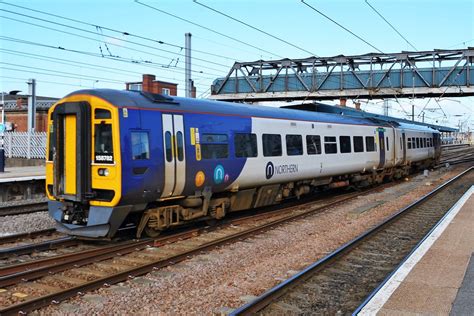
230	46
60	83
81	65
74	63
390	24
62	72
146	63
205	28
340	25
254	28
117	31
197	84
462	43
61	76
51	82
101	41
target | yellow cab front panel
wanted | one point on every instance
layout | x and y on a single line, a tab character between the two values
83	167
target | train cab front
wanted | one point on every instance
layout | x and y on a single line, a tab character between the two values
83	172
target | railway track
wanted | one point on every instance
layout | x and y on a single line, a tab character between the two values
339	282
32	285
30	235
64	241
24	207
40	282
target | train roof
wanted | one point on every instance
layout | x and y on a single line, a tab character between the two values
139	99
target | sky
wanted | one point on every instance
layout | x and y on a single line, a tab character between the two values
64	56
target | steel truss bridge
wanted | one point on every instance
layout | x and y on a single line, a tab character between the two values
437	73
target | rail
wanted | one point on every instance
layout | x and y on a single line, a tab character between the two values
329	262
167	259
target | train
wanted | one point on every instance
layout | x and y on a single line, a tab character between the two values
133	159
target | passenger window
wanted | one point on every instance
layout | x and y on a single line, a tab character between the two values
345	143
417	142
358	144
294	145
271	145
180	145
245	145
214	138
313	144
330	145
140	145
103	147
214	146
424	143
386	144
102	114
409	142
168	147
369	143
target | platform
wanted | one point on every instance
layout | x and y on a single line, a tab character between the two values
438	277
13	174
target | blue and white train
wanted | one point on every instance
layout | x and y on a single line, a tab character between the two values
121	158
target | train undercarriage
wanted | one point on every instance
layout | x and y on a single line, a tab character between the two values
159	217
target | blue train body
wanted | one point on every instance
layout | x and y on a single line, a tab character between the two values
158	162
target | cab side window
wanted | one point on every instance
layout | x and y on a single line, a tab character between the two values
140	145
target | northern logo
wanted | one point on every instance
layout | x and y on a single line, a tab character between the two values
269	170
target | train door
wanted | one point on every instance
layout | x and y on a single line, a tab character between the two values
174	155
71	151
404	148
381	137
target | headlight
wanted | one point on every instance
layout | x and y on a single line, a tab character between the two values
104	172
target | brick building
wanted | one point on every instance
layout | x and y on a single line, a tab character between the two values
150	84
16	112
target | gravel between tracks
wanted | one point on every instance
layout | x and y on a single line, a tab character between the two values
226	277
24	223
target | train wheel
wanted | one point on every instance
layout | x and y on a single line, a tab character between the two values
151	232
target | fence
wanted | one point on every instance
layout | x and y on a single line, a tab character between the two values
25	145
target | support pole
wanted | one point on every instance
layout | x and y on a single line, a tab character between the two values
31	105
385	107
187	71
